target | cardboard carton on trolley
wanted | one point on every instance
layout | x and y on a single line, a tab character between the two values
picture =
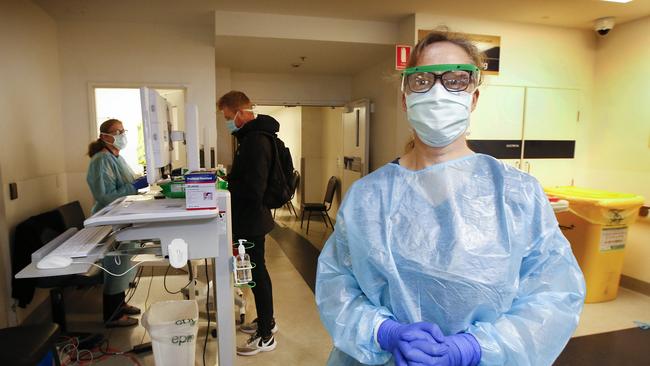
200	190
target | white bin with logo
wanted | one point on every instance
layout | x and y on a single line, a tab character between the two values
173	327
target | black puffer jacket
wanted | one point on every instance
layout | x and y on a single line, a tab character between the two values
249	177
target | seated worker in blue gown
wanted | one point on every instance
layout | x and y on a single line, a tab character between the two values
109	177
444	256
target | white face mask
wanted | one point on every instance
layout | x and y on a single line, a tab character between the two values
119	141
439	117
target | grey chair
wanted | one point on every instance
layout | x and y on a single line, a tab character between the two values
321	208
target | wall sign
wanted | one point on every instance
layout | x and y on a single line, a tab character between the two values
402	53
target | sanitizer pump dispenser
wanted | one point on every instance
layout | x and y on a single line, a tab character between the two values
243	273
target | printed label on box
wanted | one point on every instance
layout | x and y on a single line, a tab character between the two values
613	238
200	196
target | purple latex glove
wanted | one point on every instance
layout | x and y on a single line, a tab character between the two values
396	338
462	349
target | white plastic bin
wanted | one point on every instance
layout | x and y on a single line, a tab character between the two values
173	326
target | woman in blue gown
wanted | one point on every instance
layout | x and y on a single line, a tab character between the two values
444	256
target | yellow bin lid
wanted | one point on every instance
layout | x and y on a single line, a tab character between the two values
599	207
596	197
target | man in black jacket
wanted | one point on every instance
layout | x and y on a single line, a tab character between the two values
251	219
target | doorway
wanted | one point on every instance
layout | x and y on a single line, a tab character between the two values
314	136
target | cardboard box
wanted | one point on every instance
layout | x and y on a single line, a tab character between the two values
200	196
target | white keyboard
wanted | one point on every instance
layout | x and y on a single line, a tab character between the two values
81	243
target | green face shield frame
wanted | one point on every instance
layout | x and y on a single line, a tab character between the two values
419	82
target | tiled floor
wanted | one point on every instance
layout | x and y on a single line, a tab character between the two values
302	340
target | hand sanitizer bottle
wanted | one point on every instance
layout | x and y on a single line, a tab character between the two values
243	260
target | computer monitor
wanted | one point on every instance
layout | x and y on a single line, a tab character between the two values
157	142
192	136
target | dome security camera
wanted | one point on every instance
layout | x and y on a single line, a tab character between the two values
602	26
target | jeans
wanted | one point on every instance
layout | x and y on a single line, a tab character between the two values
263	290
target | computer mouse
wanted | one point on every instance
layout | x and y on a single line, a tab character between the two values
54	262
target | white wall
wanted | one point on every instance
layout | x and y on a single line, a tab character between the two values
129	54
32	138
619	157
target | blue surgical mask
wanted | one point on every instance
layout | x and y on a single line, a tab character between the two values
438	116
230	124
119	141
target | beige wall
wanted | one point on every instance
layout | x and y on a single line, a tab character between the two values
332	149
380	84
290	133
32	139
302	27
130	54
224	139
619	158
541	56
312	154
293	89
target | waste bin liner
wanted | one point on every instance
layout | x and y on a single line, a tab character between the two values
173	326
596	225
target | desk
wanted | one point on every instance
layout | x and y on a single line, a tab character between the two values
207	234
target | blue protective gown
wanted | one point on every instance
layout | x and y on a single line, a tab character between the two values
110	177
470	244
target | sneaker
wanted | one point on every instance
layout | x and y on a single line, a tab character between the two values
251	328
256	344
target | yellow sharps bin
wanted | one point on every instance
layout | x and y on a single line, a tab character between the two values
596	225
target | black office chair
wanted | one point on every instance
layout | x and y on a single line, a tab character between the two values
295	182
28	345
30	236
321	208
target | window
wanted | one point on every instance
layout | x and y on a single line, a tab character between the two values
123	104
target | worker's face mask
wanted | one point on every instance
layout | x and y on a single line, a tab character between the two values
230	123
438	116
119	141
232	126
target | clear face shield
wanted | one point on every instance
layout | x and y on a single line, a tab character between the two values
453	77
